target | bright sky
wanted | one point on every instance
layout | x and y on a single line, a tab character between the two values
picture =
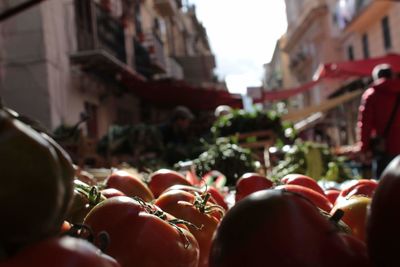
242	35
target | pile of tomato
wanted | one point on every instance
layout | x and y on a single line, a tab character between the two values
54	215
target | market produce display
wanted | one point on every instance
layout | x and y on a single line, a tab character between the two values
220	216
314	160
240	121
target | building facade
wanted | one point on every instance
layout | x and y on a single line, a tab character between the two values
67	59
324	31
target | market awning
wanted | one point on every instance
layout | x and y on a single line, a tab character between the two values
299	115
358	68
337	70
170	93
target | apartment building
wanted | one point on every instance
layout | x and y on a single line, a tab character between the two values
324	31
65	59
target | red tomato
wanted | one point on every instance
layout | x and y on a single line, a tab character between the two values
279	228
140	238
249	183
363	187
316	198
66	226
111	192
181	204
355	214
164	178
129	185
303	180
383	231
332	195
60	252
217	196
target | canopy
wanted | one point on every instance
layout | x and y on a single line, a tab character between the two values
170	93
338	70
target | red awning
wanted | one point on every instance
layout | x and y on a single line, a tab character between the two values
338	70
170	93
358	68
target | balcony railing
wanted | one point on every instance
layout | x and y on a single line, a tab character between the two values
150	57
166	8
98	30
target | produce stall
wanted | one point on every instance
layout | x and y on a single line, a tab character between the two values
219	213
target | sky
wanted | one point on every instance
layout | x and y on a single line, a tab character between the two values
242	35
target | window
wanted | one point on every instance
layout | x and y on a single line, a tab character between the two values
387	40
350	52
365	45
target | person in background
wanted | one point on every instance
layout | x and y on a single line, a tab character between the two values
222	110
176	135
379	120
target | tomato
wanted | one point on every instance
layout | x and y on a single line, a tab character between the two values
32	192
181	204
355	214
215	196
164	178
111	192
219	198
65	227
249	183
316	198
84	199
140	238
67	176
303	180
383	232
279	228
363	187
60	252
332	195
129	185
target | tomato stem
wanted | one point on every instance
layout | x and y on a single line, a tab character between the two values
337	216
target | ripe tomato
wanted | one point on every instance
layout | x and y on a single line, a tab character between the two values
303	180
140	238
363	187
215	196
316	198
383	232
129	185
60	252
164	178
279	228
111	192
181	204
332	195
355	214
249	183
33	188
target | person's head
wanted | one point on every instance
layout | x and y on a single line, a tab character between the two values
382	71
181	117
222	110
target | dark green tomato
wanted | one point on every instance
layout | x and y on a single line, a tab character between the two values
67	175
31	192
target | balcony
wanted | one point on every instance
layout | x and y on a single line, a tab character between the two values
100	42
197	69
365	13
166	8
150	57
309	15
